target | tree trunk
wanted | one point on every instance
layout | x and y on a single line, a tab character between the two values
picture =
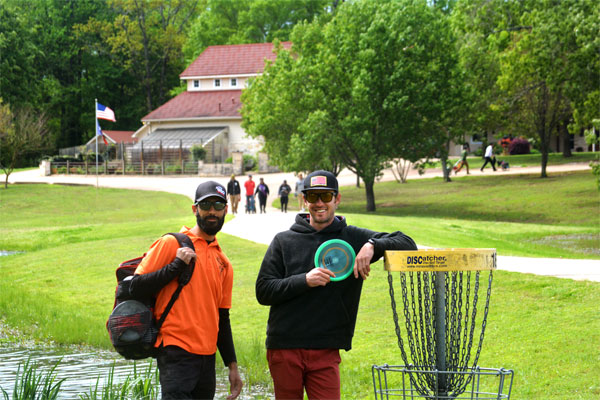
544	162
544	149
446	169
369	184
565	138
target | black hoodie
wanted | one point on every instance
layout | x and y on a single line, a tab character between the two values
322	317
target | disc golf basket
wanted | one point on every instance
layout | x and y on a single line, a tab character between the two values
441	291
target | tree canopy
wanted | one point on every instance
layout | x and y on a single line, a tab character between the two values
536	62
248	21
365	82
357	91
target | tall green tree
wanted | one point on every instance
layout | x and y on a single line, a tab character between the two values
249	21
147	37
364	88
482	31
533	64
543	71
43	64
23	131
18	53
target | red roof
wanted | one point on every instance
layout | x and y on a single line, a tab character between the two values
121	136
218	103
233	59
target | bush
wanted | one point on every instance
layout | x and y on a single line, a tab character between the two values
250	162
64	159
198	152
173	169
153	168
519	146
90	157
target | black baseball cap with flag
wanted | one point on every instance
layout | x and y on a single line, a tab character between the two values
323	180
210	189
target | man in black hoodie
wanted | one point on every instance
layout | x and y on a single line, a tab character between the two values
312	317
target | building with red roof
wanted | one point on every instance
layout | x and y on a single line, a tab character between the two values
116	137
207	113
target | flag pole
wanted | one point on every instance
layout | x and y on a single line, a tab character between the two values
96	133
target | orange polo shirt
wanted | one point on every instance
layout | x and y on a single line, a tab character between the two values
193	322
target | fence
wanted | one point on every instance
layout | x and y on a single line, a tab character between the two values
142	168
129	159
154	159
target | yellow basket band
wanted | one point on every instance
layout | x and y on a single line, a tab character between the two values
433	260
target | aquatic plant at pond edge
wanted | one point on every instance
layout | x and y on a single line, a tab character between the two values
32	384
144	387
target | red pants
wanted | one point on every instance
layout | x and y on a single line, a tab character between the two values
293	370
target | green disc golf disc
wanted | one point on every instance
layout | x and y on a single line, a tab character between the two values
337	256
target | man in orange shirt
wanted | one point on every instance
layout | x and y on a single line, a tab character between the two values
250	185
198	323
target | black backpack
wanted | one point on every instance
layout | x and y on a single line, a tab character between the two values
131	325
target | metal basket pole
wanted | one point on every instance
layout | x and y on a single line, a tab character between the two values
440	330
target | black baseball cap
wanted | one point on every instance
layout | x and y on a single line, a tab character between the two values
323	180
210	189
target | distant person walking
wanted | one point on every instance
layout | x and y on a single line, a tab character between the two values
249	185
463	160
262	190
298	192
234	192
489	157
284	192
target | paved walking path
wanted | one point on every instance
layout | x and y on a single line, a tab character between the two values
261	228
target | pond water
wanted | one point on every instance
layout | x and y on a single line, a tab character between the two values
83	369
8	253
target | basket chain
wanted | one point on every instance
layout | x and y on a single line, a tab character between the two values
422	347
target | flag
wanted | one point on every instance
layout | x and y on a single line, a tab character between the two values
99	133
318	180
104	112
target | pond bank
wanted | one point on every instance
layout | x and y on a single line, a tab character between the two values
83	367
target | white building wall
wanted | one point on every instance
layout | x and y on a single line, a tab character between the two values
206	84
238	140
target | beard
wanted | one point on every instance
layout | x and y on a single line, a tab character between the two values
210	225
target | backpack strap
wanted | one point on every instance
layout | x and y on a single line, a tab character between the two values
184	241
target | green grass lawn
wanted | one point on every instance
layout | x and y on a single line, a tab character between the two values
547	329
518	215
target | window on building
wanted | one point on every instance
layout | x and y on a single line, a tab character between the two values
233	82
217	83
196	83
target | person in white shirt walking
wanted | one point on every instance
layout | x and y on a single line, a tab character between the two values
489	157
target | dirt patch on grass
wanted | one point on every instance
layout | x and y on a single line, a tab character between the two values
587	243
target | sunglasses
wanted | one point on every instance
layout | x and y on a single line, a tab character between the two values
313	197
206	205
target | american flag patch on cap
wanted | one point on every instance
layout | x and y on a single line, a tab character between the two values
318	180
